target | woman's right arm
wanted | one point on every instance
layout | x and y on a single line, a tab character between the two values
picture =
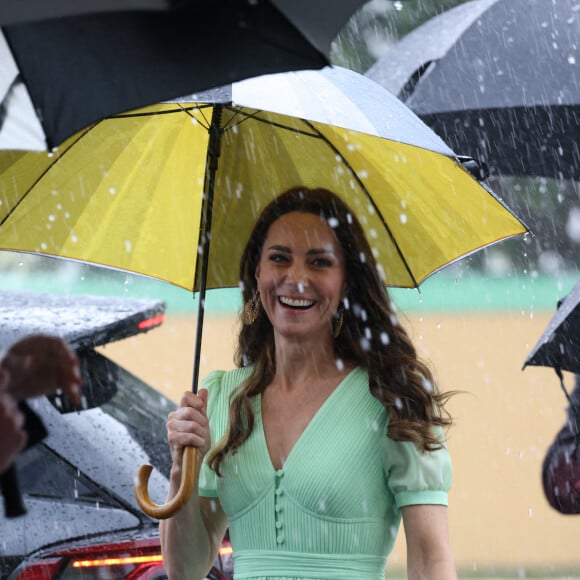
190	539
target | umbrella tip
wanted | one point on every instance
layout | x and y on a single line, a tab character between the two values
477	169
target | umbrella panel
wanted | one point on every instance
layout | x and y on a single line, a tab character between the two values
128	194
505	91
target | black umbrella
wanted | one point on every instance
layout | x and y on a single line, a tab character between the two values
498	80
58	75
559	345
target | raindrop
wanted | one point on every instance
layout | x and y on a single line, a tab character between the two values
385	338
51	218
112	190
300	287
333	222
381	273
349	218
365	344
43	246
373	234
128	246
403	218
73	238
571	59
362	258
321	505
398	403
573	224
339	364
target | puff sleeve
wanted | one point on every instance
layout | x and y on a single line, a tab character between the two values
415	477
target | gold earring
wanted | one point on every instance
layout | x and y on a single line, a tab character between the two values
338	321
251	310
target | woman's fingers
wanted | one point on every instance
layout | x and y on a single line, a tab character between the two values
188	425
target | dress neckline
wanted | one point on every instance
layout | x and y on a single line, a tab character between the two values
315	419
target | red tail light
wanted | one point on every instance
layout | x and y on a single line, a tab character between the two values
134	560
131	560
151	322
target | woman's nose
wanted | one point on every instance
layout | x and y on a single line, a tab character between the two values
298	275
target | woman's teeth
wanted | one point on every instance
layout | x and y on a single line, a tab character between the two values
295	303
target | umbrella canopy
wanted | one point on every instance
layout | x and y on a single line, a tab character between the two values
148	191
559	345
58	75
129	191
500	84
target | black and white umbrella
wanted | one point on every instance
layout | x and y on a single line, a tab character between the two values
499	80
60	74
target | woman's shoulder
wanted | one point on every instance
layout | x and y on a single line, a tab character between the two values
225	381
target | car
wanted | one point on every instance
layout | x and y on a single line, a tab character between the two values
82	519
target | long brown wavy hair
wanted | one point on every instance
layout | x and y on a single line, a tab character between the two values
371	336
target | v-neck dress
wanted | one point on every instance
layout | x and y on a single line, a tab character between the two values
333	511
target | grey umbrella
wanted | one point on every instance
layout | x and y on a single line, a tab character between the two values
499	80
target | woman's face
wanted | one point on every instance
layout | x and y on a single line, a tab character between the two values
301	275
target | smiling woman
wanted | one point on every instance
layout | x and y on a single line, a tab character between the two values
331	429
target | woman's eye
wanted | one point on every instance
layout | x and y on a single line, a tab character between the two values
322	262
278	258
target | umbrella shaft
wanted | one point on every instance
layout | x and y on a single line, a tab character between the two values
213	154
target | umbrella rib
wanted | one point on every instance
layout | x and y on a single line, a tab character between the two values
254	116
370	199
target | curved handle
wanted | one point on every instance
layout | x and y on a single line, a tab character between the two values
188	479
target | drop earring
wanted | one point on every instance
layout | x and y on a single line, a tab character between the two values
251	310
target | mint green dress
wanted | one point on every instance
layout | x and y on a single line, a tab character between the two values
333	511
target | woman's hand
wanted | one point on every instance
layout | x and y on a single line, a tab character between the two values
188	426
41	365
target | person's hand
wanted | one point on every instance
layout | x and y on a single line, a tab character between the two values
188	426
12	436
41	365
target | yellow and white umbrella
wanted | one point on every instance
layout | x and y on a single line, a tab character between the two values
147	191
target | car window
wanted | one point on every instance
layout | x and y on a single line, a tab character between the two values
43	474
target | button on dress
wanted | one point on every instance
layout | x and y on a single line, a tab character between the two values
333	511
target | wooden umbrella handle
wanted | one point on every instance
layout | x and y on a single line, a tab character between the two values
186	487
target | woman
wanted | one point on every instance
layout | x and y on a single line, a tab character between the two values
328	431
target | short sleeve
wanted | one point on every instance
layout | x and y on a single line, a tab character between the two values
215	400
415	477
